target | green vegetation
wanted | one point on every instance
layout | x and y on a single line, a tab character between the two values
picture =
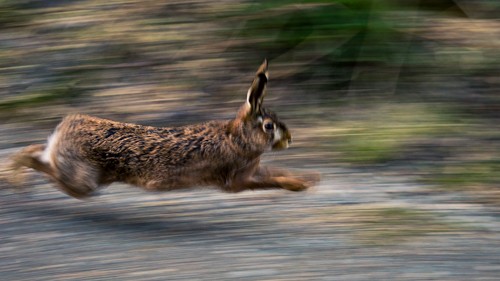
37	97
10	14
383	132
375	225
469	174
387	226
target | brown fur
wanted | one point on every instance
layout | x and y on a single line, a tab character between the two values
85	152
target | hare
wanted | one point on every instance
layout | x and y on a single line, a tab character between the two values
85	153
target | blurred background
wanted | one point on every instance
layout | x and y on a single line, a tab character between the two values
396	103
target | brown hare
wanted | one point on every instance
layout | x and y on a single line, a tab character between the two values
85	153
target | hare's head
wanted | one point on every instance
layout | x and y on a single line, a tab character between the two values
257	123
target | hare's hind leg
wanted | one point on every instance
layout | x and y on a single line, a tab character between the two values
29	157
78	183
77	178
76	191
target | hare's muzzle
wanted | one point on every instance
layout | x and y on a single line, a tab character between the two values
283	138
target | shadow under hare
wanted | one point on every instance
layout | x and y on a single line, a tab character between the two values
85	153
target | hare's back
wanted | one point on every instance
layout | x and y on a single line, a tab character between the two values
93	135
108	141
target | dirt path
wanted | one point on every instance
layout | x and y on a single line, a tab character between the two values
335	232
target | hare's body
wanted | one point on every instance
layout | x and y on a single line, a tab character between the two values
85	153
153	158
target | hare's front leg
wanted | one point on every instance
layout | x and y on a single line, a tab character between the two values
286	179
265	177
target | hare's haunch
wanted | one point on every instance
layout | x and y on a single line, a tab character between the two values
85	153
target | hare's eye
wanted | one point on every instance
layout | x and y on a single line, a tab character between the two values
269	126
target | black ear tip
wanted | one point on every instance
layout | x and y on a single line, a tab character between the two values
263	67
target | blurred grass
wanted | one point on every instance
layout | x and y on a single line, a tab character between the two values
386	225
37	97
469	173
389	226
381	133
480	178
11	13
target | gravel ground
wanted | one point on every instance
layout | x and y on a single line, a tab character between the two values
128	234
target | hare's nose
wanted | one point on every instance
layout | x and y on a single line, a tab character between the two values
289	141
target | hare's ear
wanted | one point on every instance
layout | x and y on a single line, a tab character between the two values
257	90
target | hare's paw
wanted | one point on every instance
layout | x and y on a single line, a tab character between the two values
311	179
301	182
298	185
293	184
13	176
14	181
